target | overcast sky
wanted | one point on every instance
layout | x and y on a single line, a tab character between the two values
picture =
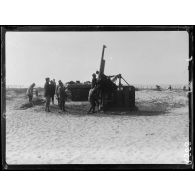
141	57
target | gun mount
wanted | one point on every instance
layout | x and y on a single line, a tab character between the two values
114	96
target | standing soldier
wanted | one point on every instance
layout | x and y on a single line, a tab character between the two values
169	87
93	99
47	94
52	90
54	82
30	92
94	81
57	92
62	96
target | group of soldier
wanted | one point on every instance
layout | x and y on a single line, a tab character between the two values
50	90
100	88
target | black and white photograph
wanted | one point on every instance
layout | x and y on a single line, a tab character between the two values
97	97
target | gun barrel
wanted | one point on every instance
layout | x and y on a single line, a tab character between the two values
102	63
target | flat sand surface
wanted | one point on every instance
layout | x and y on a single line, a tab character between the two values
156	134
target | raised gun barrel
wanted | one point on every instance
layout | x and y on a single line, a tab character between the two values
102	63
114	96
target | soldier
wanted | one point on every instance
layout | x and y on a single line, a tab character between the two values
94	81
158	87
102	89
53	88
93	99
47	94
97	72
54	82
62	96
57	94
30	92
169	87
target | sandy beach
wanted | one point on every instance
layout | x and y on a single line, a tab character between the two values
156	134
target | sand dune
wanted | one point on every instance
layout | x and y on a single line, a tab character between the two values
155	134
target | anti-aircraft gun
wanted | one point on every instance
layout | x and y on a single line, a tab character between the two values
114	96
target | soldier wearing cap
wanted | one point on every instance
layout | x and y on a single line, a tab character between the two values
47	94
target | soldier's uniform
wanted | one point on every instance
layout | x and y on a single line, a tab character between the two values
52	91
47	94
30	92
93	99
94	81
62	97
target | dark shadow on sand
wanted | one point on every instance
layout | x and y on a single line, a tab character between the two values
81	110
